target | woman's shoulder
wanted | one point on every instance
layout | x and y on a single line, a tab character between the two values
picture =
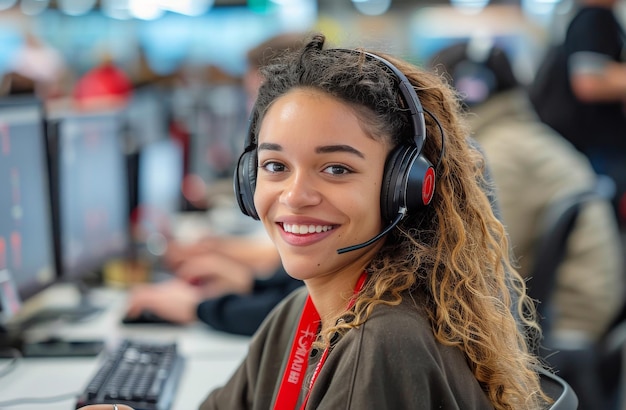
591	17
398	342
404	323
392	330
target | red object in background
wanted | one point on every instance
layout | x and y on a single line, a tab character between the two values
102	86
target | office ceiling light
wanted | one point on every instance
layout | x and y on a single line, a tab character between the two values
469	6
145	9
117	9
372	7
296	15
33	7
187	7
7	4
542	7
76	7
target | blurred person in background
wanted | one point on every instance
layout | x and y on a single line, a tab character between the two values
105	86
230	283
580	90
35	69
259	56
533	166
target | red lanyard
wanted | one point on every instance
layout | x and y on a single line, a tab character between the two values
293	375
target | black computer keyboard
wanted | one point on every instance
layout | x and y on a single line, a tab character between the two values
143	375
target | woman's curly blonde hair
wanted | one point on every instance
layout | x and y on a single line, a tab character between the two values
452	254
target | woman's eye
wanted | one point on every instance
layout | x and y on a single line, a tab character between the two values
273	167
337	170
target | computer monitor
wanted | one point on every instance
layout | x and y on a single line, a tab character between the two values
26	240
27	251
147	115
160	178
146	120
90	183
217	122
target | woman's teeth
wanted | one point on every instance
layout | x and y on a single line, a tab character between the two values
305	229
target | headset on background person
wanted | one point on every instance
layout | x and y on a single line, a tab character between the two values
478	68
472	77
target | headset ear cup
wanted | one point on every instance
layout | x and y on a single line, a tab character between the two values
408	182
245	183
420	183
389	195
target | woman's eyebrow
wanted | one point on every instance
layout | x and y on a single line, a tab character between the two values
270	147
338	148
325	149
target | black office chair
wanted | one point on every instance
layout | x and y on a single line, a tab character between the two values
613	365
559	390
557	222
576	365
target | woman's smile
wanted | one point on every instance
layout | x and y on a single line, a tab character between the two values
305	229
305	233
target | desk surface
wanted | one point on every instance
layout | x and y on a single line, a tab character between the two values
211	356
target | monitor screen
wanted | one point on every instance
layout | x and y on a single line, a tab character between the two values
160	177
92	184
218	128
147	115
26	241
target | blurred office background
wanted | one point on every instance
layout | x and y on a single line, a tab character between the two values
180	102
175	34
181	65
183	62
187	47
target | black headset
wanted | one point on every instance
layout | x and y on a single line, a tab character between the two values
408	179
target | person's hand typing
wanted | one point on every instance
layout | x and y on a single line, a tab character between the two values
260	255
214	274
174	300
203	276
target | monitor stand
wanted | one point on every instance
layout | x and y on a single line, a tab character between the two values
15	343
53	347
83	311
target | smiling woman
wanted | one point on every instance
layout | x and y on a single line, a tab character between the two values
407	302
339	153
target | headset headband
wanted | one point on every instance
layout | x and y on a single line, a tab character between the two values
409	96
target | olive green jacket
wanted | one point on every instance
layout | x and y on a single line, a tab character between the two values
391	362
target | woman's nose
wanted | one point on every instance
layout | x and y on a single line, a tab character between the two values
300	191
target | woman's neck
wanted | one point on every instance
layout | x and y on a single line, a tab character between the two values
331	295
